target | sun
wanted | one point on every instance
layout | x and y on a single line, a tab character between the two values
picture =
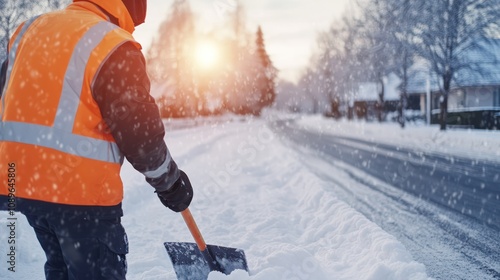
207	54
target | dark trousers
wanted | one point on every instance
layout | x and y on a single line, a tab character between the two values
81	247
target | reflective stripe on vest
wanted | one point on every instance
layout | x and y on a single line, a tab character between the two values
60	136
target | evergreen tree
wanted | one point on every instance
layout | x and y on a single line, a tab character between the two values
254	79
267	74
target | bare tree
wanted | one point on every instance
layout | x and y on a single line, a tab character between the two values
448	30
358	49
170	57
400	17
404	14
13	13
378	48
340	65
168	52
52	5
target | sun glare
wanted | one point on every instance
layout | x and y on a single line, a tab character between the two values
206	54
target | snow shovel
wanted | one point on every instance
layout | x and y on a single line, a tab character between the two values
195	261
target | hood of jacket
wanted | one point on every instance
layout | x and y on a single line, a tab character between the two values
117	9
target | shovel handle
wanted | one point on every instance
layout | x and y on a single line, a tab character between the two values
193	228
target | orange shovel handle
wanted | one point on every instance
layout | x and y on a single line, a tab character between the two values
193	228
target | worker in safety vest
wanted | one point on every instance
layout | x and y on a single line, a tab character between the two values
74	102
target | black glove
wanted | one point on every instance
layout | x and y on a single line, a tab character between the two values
179	196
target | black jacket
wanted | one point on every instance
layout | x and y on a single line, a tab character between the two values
3	73
121	89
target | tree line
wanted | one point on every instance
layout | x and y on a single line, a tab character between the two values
378	37
241	82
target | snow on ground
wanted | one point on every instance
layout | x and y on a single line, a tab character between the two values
252	193
471	143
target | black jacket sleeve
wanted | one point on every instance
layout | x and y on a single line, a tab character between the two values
121	90
3	76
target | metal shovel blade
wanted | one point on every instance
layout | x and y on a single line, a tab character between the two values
191	264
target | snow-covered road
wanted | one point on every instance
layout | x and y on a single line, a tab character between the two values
466	185
392	185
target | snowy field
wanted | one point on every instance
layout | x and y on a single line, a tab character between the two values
253	192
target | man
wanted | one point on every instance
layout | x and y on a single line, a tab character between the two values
75	100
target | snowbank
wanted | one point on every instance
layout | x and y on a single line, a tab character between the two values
471	143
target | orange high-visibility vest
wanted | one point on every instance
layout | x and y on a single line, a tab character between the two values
51	128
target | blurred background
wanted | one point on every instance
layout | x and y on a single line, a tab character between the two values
376	60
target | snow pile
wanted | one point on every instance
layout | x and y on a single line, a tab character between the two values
252	193
471	143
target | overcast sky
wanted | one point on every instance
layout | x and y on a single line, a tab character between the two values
290	26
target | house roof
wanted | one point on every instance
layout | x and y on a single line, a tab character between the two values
369	92
482	68
421	79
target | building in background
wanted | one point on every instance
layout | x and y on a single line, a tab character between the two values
474	98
